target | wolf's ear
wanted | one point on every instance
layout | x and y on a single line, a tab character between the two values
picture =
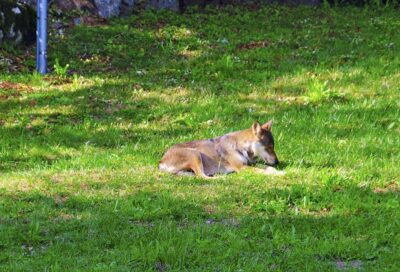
257	130
267	125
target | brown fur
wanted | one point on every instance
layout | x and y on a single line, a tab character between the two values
225	154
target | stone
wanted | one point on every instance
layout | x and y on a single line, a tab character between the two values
84	5
203	3
111	8
16	10
164	4
126	7
108	8
77	21
29	2
67	5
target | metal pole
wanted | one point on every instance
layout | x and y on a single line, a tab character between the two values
37	33
41	37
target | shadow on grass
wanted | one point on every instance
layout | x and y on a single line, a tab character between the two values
292	229
205	55
108	119
148	227
168	50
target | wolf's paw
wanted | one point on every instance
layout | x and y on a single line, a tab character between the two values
273	171
258	170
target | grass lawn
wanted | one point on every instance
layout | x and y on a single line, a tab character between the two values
79	186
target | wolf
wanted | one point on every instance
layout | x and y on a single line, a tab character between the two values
222	155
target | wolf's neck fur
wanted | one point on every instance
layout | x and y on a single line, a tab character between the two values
243	142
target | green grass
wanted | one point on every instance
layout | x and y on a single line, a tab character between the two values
79	189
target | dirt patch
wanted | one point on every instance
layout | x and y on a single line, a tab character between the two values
391	187
254	45
12	90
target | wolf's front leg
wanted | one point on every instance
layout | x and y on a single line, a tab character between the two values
258	170
267	171
235	165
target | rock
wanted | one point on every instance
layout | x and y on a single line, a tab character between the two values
65	5
17	23
68	5
108	8
301	2
126	7
203	3
77	21
29	2
163	4
111	8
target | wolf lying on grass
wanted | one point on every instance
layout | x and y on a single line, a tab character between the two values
222	155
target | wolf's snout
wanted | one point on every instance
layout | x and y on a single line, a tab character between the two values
272	162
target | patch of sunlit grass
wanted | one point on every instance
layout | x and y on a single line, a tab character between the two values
79	185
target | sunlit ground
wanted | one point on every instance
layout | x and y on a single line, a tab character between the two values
79	186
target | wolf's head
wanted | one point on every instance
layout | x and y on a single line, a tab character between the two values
263	146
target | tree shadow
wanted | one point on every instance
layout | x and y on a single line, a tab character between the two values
165	50
111	119
321	225
300	227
